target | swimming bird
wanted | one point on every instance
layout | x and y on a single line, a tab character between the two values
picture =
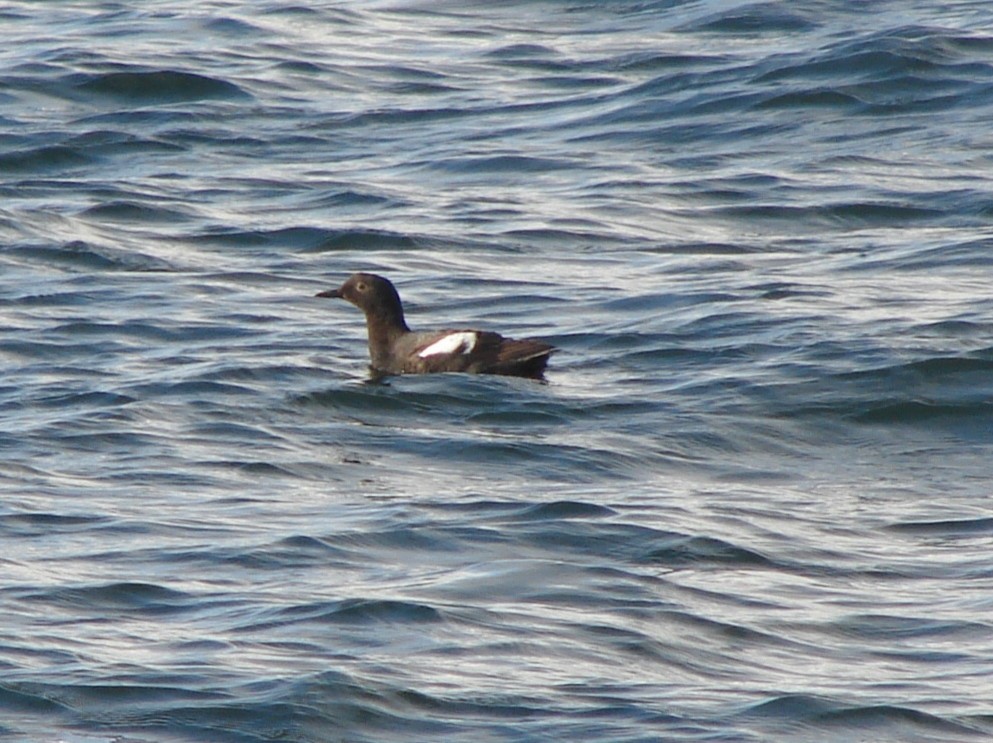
396	349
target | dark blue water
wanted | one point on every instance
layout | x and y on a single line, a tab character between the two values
753	500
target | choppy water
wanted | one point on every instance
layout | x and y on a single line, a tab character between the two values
752	502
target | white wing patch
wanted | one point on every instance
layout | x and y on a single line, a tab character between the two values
462	342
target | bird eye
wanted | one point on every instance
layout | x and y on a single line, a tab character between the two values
361	286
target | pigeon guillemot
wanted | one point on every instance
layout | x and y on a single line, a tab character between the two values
395	349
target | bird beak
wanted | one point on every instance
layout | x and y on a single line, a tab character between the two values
332	293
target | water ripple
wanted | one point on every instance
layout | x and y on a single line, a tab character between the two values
749	503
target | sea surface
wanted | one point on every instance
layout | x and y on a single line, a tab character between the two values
753	500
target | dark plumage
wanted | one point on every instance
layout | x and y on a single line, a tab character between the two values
395	349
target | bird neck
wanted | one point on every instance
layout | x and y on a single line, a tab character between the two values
384	330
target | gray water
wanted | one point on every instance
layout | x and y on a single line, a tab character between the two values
750	503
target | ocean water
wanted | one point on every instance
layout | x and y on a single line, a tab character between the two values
752	501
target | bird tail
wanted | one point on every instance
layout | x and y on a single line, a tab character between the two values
524	357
